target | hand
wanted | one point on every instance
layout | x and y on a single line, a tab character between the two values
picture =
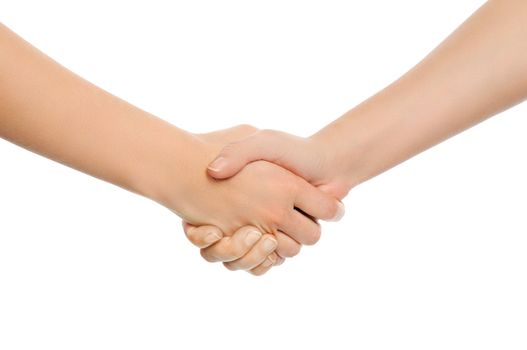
235	251
244	250
269	205
311	158
247	249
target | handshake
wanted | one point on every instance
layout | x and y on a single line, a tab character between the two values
251	198
248	198
273	187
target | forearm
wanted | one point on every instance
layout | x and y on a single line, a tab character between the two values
51	111
480	70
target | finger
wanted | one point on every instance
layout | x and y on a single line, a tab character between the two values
317	204
279	261
265	266
287	247
262	145
234	247
265	246
301	228
202	236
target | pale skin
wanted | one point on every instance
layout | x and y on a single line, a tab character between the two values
477	72
51	111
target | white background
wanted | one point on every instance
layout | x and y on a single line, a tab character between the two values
431	254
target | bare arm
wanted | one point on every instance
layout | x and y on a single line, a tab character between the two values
48	109
480	70
51	111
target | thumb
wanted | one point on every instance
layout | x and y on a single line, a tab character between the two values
263	145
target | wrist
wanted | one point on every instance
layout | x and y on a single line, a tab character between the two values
341	155
371	138
169	165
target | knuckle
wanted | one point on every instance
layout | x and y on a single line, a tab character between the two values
278	216
207	256
229	148
204	235
204	239
258	272
192	237
267	133
227	251
290	185
230	266
294	186
313	236
290	250
189	230
247	263
231	252
246	128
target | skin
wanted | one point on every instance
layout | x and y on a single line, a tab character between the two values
477	72
51	111
236	252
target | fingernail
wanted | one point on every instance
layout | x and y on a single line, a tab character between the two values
341	210
212	237
269	245
252	237
217	164
268	262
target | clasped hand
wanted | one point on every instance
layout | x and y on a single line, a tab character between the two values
266	212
